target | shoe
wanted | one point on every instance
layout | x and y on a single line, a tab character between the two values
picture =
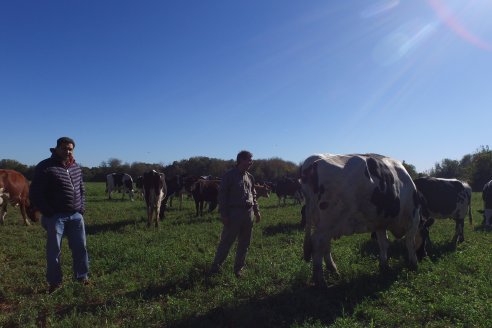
84	281
238	273
53	288
214	271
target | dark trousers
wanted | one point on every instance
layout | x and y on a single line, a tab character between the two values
240	226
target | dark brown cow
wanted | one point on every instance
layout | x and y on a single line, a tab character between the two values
14	188
205	191
154	189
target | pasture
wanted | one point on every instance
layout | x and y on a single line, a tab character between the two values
144	277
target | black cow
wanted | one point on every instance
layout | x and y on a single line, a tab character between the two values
487	203
205	191
175	187
445	198
121	182
288	187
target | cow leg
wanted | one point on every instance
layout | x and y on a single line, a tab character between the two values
330	264
201	207
156	218
3	211
319	248
459	236
197	207
150	212
383	244
24	215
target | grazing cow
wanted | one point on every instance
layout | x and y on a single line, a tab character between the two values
139	186
445	198
262	190
347	194
154	189
175	187
205	191
487	203
14	188
121	182
288	187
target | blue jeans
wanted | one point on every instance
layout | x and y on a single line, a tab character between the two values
72	226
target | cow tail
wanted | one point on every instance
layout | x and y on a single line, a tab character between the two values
470	209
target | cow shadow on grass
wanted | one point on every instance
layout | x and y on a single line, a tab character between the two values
300	304
397	248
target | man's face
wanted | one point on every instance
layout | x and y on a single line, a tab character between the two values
245	163
64	151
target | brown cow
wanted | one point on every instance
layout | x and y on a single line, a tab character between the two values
14	188
205	191
262	190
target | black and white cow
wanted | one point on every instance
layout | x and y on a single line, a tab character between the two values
120	182
487	203
154	190
348	194
445	198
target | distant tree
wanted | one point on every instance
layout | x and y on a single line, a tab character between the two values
481	171
12	164
447	169
411	170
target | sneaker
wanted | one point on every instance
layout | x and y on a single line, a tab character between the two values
214	270
53	288
84	281
238	273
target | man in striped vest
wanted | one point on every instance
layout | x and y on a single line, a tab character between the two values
57	190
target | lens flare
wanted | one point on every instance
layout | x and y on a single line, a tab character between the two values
452	22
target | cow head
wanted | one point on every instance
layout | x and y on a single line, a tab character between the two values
422	238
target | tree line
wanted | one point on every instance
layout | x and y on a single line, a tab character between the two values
475	168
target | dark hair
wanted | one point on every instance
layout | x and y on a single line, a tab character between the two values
243	154
64	140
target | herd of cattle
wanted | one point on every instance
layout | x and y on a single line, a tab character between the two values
342	194
158	190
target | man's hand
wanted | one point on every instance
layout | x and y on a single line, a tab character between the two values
258	217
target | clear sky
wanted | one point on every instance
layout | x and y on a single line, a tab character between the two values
165	80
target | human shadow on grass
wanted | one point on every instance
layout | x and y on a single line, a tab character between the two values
92	229
193	277
187	220
282	228
300	304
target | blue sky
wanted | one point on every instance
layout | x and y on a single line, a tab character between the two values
159	81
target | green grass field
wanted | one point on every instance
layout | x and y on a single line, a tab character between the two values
147	277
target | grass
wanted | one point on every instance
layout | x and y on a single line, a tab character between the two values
147	277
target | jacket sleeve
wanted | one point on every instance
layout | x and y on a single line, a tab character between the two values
38	191
82	195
